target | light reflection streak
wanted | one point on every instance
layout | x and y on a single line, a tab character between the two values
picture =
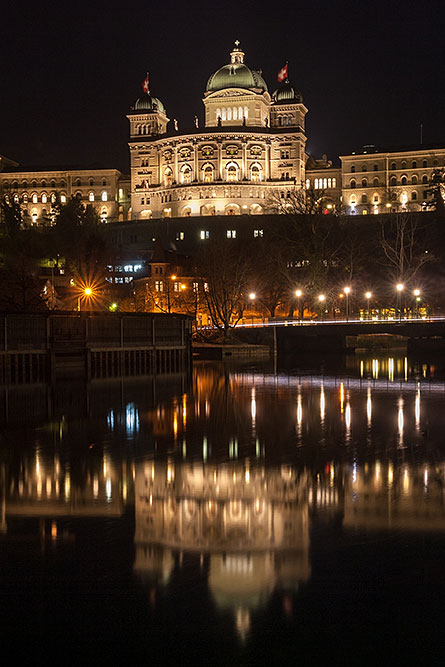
391	370
417	408
322	405
400	421
369	407
342	396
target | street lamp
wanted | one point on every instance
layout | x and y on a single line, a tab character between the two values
400	287
416	293
347	291
87	292
322	299
368	295
298	294
252	297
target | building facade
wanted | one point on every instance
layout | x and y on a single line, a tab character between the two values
38	191
253	145
388	182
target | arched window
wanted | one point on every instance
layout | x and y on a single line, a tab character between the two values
364	167
352	200
414	180
403	165
229	113
91	196
308	184
168	177
53	183
246	113
77	181
376	167
364	182
25	198
393	180
255	172
364	199
186	173
34	198
424	178
44	198
393	166
218	113
403	180
375	198
103	213
235	113
334	182
53	198
316	184
63	198
224	114
207	173
376	182
104	182
25	184
91	182
414	165
353	169
43	184
240	113
425	163
414	195
104	195
62	184
352	183
16	198
232	171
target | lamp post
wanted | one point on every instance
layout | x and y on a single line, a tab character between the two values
252	297
347	290
400	287
298	294
416	293
86	293
322	299
368	295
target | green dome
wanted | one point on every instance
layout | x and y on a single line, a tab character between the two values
236	75
286	94
148	103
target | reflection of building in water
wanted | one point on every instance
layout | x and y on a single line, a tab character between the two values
45	487
250	524
383	496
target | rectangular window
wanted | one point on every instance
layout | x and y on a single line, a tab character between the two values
195	286
179	236
258	233
159	286
204	234
231	233
177	286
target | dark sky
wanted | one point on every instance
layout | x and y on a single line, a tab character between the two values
370	72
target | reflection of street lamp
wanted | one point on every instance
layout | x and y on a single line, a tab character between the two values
322	299
400	287
252	297
298	294
347	290
368	295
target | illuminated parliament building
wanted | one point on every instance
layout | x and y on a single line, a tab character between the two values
249	156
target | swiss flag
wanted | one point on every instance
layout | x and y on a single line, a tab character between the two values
145	84
282	74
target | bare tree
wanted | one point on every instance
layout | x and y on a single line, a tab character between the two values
403	245
225	272
297	201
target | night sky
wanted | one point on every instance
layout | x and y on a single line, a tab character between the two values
370	72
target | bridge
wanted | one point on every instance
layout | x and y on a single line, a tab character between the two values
331	335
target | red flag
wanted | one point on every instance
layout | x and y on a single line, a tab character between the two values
282	74
145	84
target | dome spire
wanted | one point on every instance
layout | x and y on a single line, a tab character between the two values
237	54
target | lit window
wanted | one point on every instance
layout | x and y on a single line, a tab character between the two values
334	182
91	197
63	198
204	234
231	233
258	233
159	286
104	196
308	184
195	287
179	236
44	198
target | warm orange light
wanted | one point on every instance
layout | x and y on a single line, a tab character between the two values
88	291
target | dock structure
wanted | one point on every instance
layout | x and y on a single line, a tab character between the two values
41	346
